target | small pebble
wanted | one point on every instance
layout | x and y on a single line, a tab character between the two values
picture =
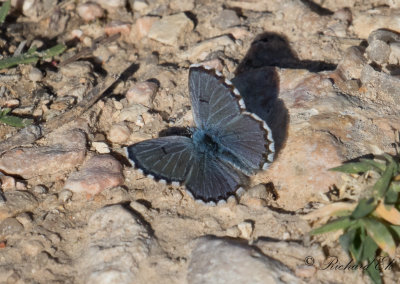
226	19
378	51
246	229
38	43
20	185
138	136
182	5
201	50
90	11
7	182
170	29
99	173
25	219
214	63
39	189
111	4
12	103
118	105
101	147
76	33
117	27
132	113
35	75
28	110
394	53
32	247
64	195
142	93
140	5
99	137
143	25
119	133
67	152
78	68
28	6
10	226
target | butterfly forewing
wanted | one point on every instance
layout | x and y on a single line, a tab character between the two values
219	109
213	101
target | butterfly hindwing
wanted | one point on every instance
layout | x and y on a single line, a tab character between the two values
211	179
249	139
168	158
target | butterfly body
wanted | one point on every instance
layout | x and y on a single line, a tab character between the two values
205	142
227	145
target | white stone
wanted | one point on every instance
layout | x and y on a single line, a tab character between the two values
170	29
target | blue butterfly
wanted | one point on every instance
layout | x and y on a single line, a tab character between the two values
227	145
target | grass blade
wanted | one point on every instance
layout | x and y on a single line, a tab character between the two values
354	168
16	121
53	51
380	234
5	8
338	224
31	56
383	182
379	167
364	207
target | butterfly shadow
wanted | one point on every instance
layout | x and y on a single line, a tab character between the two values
259	89
258	81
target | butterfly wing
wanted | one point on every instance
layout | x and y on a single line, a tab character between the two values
174	159
212	96
249	139
219	109
167	159
211	179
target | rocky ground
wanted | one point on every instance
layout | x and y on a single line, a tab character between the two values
323	74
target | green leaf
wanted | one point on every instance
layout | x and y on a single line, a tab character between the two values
4	111
354	168
16	60
31	56
356	246
380	234
396	230
341	223
392	194
32	50
381	186
374	273
346	239
395	185
370	249
16	121
391	160
5	8
364	207
379	167
53	51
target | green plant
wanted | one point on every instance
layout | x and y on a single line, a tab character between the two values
31	56
5	8
13	120
373	227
